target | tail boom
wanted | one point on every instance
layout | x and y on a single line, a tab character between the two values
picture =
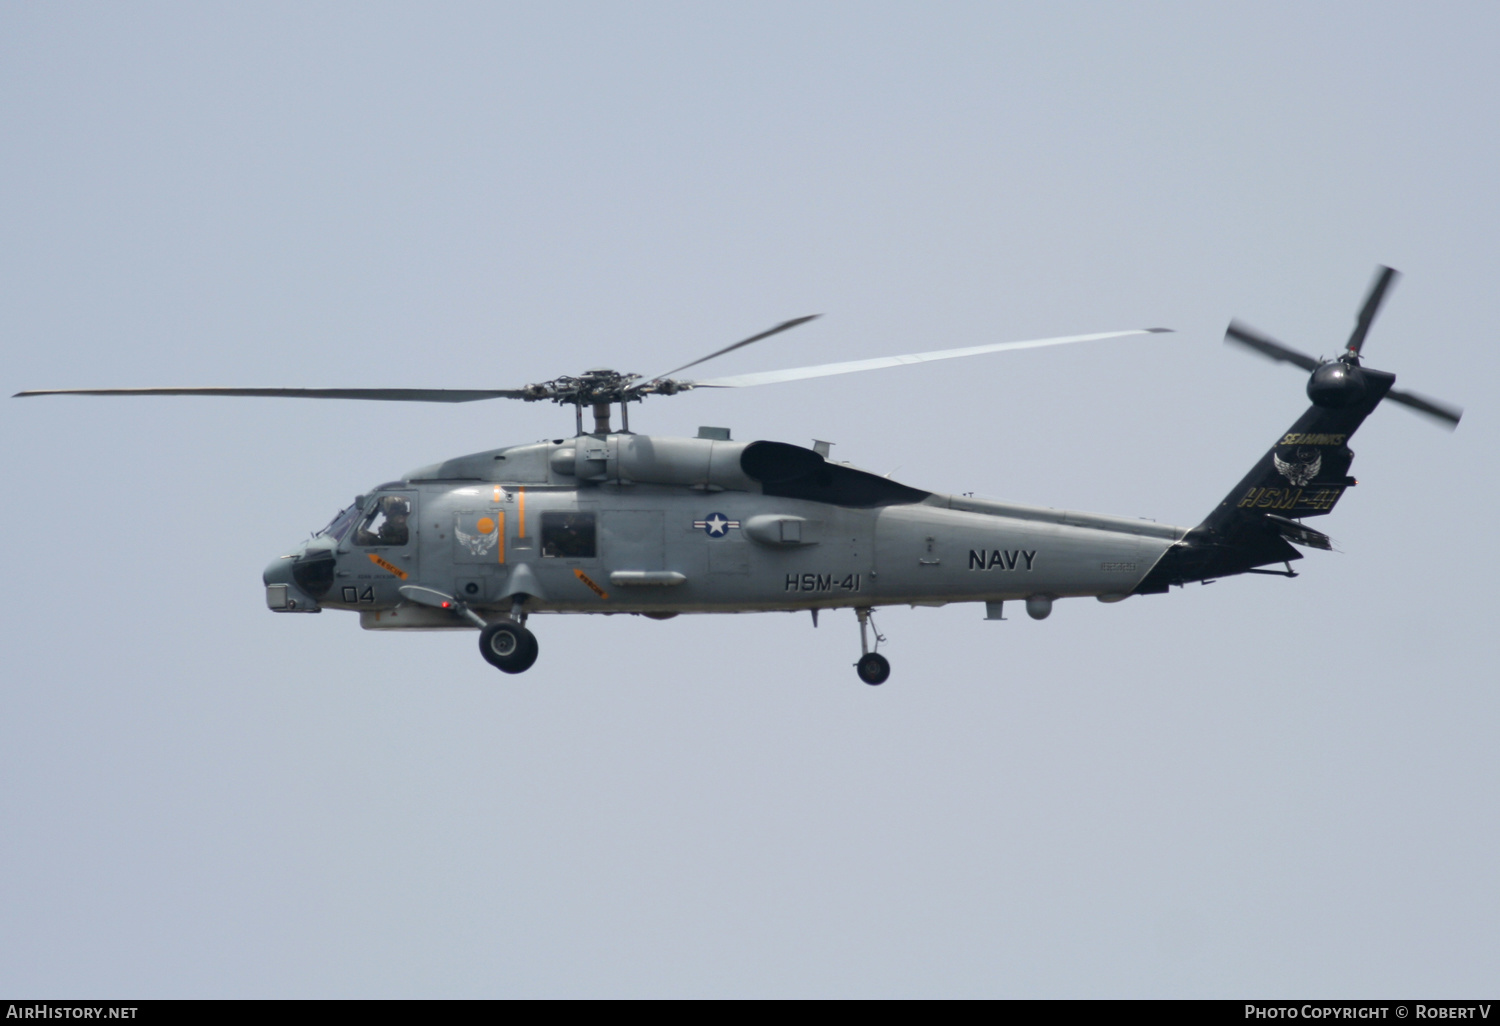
1303	475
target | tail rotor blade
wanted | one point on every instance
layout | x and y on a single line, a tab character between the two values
1246	336
1446	415
1384	278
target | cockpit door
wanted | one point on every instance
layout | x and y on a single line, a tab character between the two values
384	544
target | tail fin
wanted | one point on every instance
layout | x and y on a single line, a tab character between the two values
1303	475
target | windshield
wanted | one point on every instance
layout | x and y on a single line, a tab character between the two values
339	525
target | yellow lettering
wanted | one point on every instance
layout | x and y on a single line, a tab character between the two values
1306	439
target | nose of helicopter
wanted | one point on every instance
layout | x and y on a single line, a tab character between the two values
279	570
292	584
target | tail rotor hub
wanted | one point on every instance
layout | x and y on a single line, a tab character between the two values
1341	383
1338	383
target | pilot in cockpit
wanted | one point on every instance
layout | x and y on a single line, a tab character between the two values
386	523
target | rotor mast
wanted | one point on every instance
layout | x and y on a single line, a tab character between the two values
601	409
598	389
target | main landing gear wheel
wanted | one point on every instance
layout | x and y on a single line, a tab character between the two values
873	668
508	646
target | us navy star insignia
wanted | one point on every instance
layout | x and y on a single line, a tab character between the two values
717	525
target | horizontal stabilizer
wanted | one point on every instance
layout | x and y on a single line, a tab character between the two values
1300	534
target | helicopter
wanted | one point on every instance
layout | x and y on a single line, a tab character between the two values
611	521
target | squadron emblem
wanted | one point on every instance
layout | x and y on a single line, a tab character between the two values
1301	472
481	537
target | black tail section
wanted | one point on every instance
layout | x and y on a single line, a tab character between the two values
1303	475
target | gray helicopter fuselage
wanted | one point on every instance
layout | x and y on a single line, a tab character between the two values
616	522
627	523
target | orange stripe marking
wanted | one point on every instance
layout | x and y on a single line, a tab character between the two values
392	567
592	586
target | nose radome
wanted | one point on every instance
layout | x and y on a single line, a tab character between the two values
287	581
313	571
279	571
282	593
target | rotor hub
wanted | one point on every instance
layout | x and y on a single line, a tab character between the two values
591	388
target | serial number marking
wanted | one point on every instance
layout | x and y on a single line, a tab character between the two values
1117	567
823	582
1001	559
1290	498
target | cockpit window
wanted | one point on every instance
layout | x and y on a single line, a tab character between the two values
568	535
340	524
385	524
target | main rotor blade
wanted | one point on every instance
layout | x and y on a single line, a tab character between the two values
826	369
409	395
1445	414
783	326
1246	336
1383	280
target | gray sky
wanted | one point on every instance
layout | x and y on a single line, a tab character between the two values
1263	787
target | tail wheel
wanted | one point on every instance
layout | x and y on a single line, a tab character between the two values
873	668
508	646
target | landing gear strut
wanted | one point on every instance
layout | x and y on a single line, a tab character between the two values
506	644
873	668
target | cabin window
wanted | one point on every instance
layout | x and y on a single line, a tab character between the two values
568	535
386	523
